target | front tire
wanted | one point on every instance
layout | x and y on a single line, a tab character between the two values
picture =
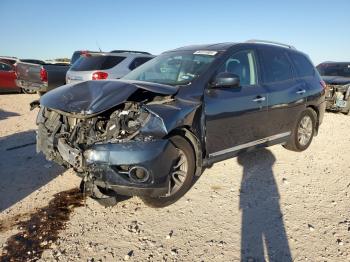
181	177
303	131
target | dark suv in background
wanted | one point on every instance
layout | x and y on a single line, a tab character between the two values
337	78
154	131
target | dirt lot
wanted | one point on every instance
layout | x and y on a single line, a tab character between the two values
272	203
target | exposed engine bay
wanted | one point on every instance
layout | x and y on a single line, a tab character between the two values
117	125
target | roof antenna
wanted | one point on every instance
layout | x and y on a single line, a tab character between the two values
98	46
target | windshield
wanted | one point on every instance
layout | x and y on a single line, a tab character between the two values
342	69
174	68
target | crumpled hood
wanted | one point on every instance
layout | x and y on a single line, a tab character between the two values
336	80
91	97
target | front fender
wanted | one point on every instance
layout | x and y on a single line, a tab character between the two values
167	117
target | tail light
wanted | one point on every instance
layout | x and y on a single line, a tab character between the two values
99	75
43	75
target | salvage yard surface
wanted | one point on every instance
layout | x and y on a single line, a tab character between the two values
272	203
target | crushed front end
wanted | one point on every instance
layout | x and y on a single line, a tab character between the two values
121	149
338	98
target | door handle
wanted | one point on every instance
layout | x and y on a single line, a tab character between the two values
300	92
259	99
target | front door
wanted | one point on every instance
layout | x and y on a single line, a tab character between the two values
235	117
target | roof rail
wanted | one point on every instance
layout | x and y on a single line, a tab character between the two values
130	51
270	42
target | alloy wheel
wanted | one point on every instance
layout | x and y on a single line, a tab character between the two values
305	130
179	173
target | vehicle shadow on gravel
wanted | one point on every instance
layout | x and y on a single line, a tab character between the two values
22	170
7	114
262	219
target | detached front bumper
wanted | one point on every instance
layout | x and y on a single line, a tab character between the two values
108	165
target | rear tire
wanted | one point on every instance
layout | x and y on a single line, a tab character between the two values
176	191
303	131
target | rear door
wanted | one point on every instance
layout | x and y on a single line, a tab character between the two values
235	117
307	73
286	93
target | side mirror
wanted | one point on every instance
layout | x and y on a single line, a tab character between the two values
226	79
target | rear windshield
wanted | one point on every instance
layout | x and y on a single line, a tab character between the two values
334	69
101	62
33	61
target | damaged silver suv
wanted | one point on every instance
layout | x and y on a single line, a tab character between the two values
153	132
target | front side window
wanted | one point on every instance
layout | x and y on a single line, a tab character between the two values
173	68
303	66
242	64
5	67
276	66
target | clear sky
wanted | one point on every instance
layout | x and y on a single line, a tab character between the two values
51	29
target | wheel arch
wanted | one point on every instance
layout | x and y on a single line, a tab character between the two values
315	109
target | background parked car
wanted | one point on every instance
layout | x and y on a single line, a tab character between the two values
40	77
8	73
101	65
336	75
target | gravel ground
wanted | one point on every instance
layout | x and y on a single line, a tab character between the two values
272	204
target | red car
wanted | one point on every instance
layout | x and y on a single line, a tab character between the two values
8	77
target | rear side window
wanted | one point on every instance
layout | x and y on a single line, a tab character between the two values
276	66
138	61
102	62
5	67
302	65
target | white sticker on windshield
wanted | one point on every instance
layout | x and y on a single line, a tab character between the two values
205	52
